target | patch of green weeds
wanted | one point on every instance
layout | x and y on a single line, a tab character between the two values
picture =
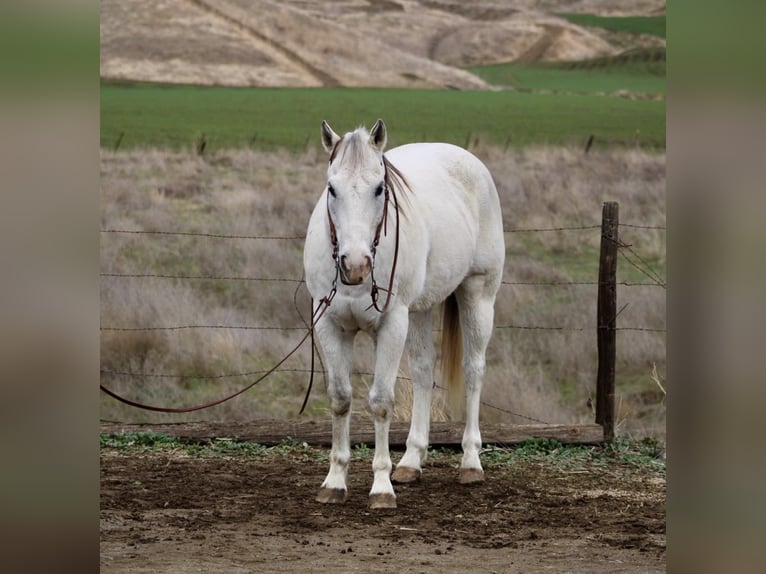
138	440
641	455
149	441
298	450
644	455
647	453
362	452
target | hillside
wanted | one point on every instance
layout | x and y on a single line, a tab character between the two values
382	43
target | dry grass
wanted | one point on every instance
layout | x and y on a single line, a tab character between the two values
544	375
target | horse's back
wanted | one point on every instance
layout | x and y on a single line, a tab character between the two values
456	199
427	161
455	191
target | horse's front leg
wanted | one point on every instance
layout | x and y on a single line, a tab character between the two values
420	348
389	345
337	348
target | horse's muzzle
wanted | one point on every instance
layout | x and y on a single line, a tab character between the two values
354	274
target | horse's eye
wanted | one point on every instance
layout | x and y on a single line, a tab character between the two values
379	190
330	190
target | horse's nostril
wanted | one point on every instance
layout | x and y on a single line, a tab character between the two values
343	262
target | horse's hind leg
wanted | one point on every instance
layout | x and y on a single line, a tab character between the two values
337	348
420	349
476	304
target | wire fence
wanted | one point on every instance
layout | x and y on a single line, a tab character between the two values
290	370
656	282
625	250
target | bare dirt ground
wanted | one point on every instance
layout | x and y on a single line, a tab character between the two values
169	512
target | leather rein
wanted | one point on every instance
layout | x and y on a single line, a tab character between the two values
324	303
317	313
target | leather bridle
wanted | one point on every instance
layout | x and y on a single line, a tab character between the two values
389	196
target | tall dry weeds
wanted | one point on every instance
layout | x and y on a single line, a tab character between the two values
532	374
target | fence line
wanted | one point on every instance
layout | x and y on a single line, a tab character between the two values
643	267
633	225
567	283
195	377
645	270
291	237
200	277
189	327
198	234
289	280
649	272
276	328
543	229
304	371
657	281
565	328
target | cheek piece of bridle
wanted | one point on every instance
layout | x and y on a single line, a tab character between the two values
390	195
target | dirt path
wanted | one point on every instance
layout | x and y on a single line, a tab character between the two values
281	54
537	51
169	512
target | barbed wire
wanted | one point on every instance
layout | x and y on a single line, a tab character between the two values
543	328
544	229
591	283
635	226
201	234
579	329
644	267
186	327
303	236
277	328
302	371
200	277
640	265
290	280
287	237
647	270
195	377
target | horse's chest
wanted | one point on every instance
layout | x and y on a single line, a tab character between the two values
352	315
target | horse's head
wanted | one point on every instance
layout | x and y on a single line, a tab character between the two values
356	196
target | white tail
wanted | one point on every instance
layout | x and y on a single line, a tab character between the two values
452	358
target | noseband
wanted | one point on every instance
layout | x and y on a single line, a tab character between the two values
390	195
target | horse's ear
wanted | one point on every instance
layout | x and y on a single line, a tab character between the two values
378	135
329	137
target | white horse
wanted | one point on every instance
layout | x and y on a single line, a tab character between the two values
443	243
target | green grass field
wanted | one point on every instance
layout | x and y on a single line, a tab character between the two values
652	25
176	117
639	71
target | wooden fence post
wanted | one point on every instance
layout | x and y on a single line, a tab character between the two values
607	318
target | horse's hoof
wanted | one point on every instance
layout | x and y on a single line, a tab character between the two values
383	500
470	475
404	474
332	495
